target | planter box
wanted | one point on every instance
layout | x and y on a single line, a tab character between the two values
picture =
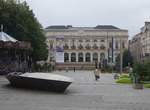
137	86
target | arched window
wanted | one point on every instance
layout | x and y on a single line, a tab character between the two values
87	40
80	46
102	40
102	47
87	57
95	46
80	41
88	46
102	56
80	57
95	41
73	47
73	44
73	57
66	47
66	57
95	57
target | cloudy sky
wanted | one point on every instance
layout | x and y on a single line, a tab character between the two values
125	14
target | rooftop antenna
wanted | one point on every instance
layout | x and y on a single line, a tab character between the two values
1	27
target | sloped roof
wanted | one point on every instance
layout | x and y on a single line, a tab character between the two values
105	27
5	37
57	27
71	27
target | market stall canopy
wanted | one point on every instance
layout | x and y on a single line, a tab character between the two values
5	37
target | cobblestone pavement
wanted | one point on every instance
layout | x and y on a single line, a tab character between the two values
84	94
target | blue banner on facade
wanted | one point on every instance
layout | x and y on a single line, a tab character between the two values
59	44
59	49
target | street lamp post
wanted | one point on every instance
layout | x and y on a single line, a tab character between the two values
112	60
121	62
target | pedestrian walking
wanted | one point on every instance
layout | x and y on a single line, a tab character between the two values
96	74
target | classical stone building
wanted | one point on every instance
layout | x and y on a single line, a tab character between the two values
83	46
140	44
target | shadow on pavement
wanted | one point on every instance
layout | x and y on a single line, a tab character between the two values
9	87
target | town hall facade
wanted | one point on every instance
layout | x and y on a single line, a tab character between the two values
81	47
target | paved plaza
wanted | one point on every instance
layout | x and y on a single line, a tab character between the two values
84	94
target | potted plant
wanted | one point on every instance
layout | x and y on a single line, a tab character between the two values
138	74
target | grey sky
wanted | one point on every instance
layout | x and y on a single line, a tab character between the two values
126	14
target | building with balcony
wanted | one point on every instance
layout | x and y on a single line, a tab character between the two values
83	46
140	44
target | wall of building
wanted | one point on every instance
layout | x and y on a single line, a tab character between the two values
88	41
140	44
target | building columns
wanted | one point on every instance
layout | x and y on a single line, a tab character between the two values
83	57
99	57
76	57
91	57
69	54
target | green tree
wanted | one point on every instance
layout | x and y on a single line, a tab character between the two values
117	65
140	71
127	58
20	22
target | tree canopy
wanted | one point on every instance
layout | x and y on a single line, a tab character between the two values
127	58
20	22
